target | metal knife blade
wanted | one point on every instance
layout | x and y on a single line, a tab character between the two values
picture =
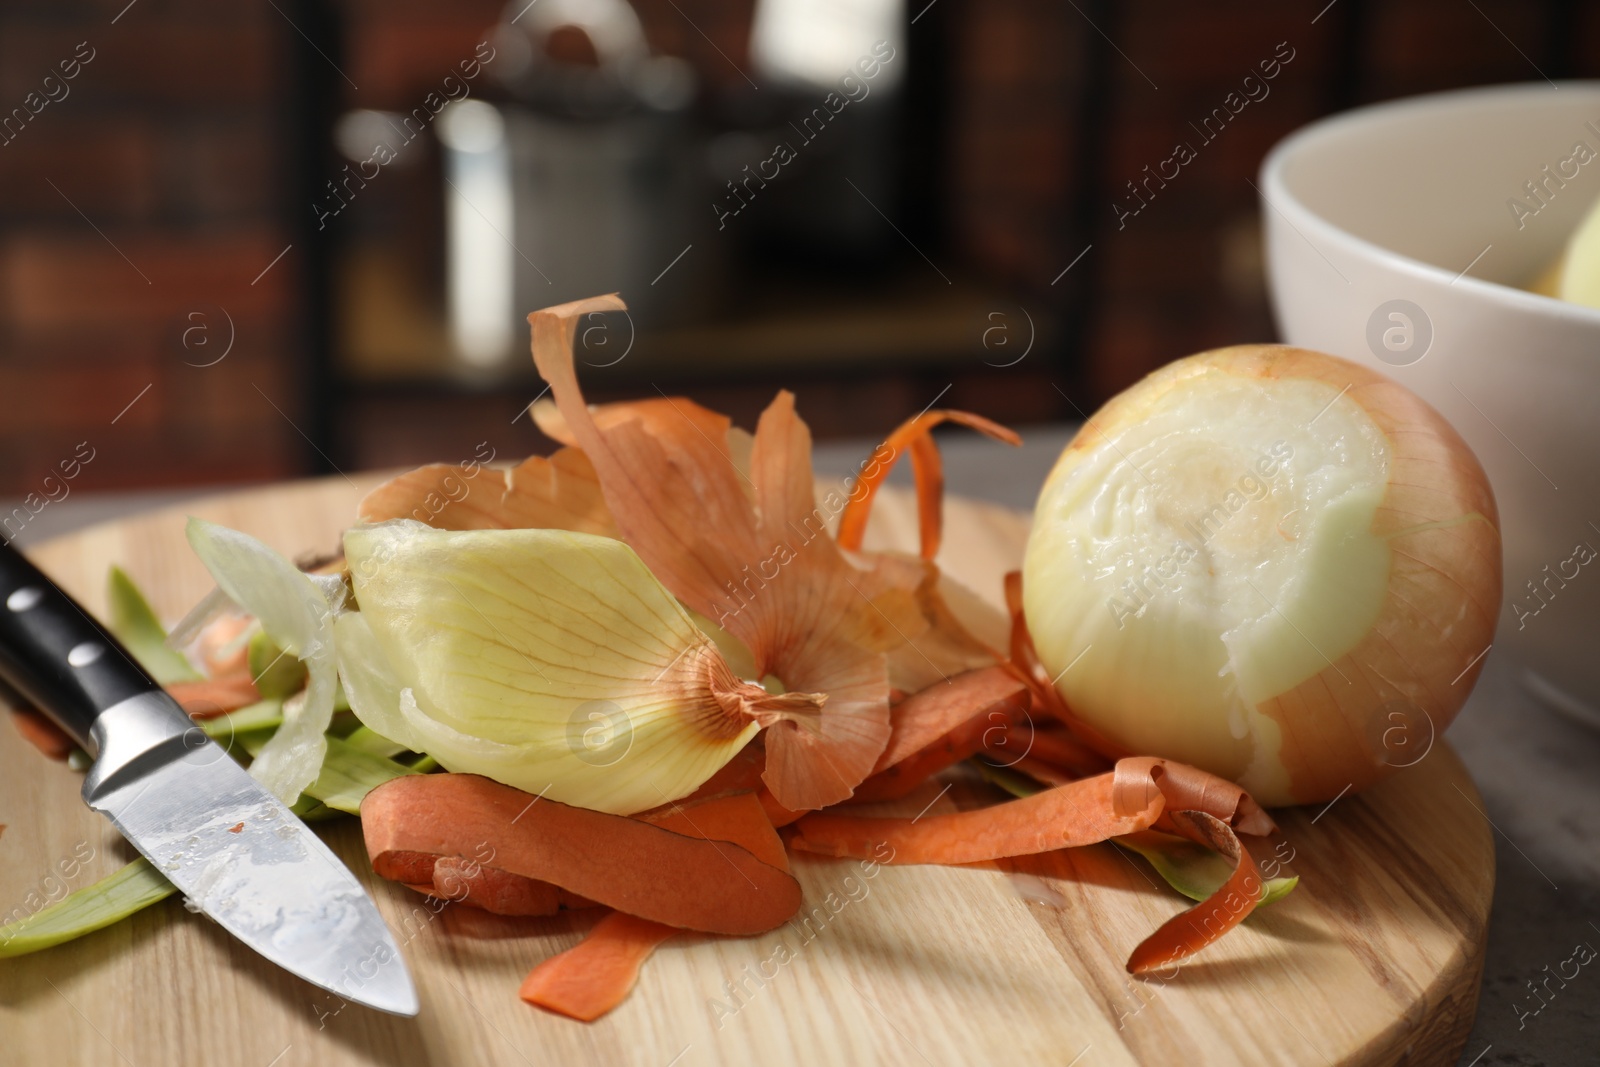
238	853
244	859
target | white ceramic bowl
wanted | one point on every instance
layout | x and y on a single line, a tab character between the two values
1393	238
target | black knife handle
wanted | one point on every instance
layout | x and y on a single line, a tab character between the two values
56	655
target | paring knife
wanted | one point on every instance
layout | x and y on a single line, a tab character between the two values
227	843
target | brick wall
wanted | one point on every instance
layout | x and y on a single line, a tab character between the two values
140	203
1034	187
140	208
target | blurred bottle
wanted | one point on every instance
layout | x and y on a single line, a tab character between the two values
585	175
829	72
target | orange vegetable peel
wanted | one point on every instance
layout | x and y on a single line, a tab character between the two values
681	880
916	436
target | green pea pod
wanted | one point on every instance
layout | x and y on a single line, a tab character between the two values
1192	869
262	716
134	623
277	674
94	907
347	774
369	740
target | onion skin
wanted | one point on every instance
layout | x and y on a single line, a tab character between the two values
1382	704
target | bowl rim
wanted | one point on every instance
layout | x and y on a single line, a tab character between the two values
1277	197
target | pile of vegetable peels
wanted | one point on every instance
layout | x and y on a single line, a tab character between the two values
640	662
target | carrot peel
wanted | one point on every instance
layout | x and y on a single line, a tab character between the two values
927	469
631	865
210	697
1077	813
1138	794
43	734
1053	745
739	819
923	718
492	889
1192	930
1186	788
595	975
942	725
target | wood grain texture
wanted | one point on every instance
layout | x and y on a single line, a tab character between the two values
1375	959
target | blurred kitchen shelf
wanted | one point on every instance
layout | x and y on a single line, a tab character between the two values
863	357
400	425
915	332
899	326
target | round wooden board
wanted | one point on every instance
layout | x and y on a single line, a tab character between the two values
1374	959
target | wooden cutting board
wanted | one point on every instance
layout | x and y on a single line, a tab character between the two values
1375	959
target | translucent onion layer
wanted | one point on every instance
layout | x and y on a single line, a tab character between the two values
294	611
549	660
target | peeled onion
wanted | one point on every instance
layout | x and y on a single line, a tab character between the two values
1276	565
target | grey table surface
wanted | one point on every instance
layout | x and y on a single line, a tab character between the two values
1536	769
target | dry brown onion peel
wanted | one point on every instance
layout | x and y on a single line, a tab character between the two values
751	553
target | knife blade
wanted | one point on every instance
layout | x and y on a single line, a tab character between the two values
236	851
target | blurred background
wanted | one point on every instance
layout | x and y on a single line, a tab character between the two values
254	240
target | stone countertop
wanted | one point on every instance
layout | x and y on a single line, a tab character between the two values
1536	769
